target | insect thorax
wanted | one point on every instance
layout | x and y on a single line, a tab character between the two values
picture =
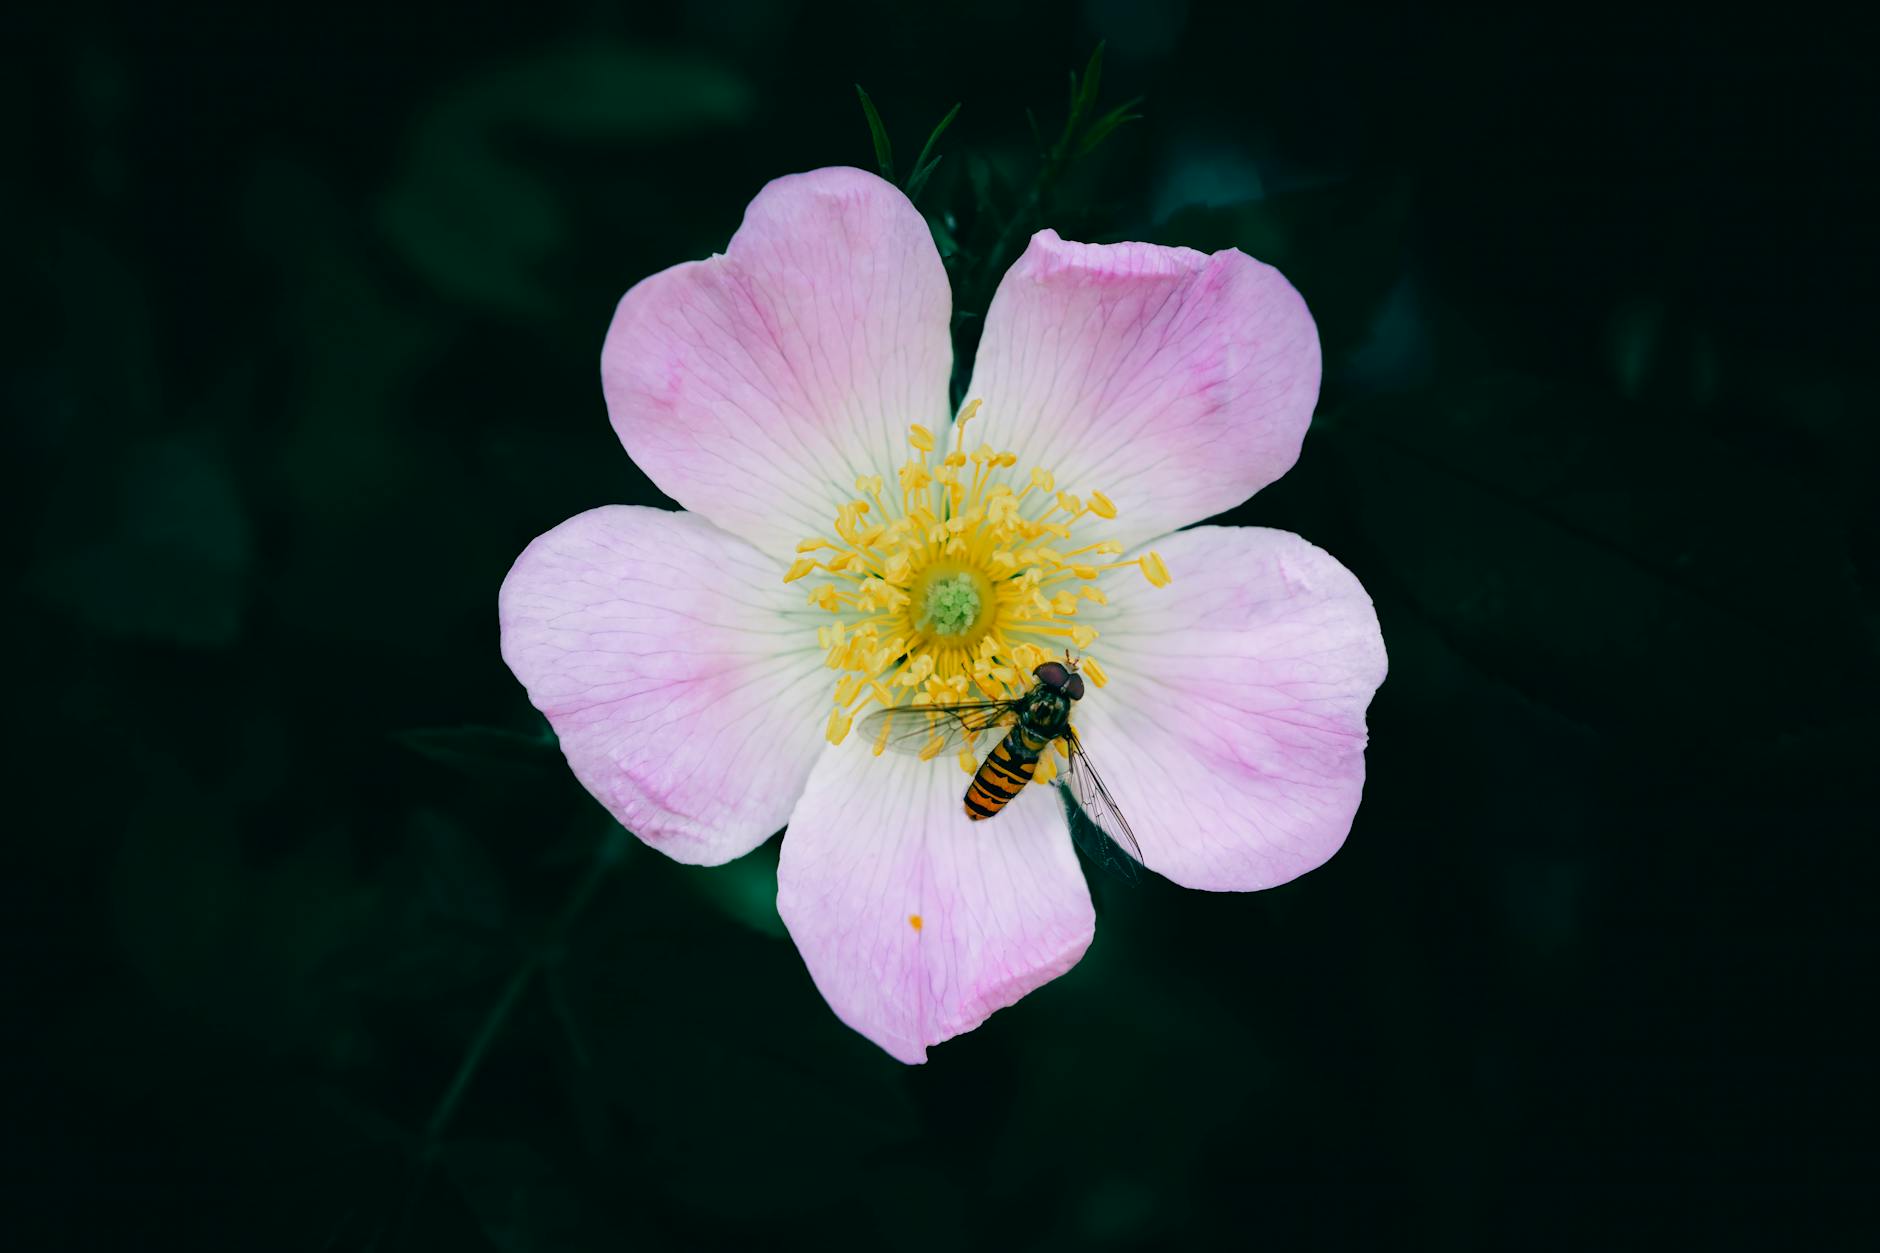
1046	713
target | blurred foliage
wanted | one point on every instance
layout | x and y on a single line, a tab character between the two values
478	224
308	305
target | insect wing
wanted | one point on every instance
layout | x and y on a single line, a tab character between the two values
1108	827
930	730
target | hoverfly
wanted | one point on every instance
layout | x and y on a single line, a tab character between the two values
1036	717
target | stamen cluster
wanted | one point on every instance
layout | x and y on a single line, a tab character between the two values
956	584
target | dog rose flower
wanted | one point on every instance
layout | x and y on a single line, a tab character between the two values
848	542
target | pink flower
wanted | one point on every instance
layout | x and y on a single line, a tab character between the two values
847	542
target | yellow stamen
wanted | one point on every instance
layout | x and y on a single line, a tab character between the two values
959	586
967	414
1154	570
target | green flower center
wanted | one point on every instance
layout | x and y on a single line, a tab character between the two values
952	605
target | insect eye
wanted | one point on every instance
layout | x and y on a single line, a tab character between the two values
1051	674
1075	688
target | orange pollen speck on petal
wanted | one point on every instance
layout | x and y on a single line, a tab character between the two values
954	579
913	920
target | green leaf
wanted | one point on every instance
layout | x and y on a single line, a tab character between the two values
934	138
1086	96
745	889
923	168
1101	128
478	750
1070	119
884	151
439	926
943	237
917	183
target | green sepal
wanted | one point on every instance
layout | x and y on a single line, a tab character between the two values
884	151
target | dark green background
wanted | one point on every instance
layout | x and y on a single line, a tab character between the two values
304	315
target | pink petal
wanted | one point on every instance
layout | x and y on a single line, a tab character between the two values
1176	383
1231	730
878	842
668	656
755	386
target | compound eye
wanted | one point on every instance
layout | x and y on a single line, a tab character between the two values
1052	674
1075	688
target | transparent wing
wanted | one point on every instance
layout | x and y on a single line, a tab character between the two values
1102	827
930	730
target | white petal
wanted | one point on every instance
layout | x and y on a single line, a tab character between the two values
915	922
681	674
1175	382
1231	730
756	386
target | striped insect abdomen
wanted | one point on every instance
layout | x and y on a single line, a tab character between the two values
1003	774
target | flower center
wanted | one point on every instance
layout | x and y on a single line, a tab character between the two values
956	586
954	601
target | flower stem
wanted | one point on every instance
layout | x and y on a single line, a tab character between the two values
493	1024
498	1017
606	856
